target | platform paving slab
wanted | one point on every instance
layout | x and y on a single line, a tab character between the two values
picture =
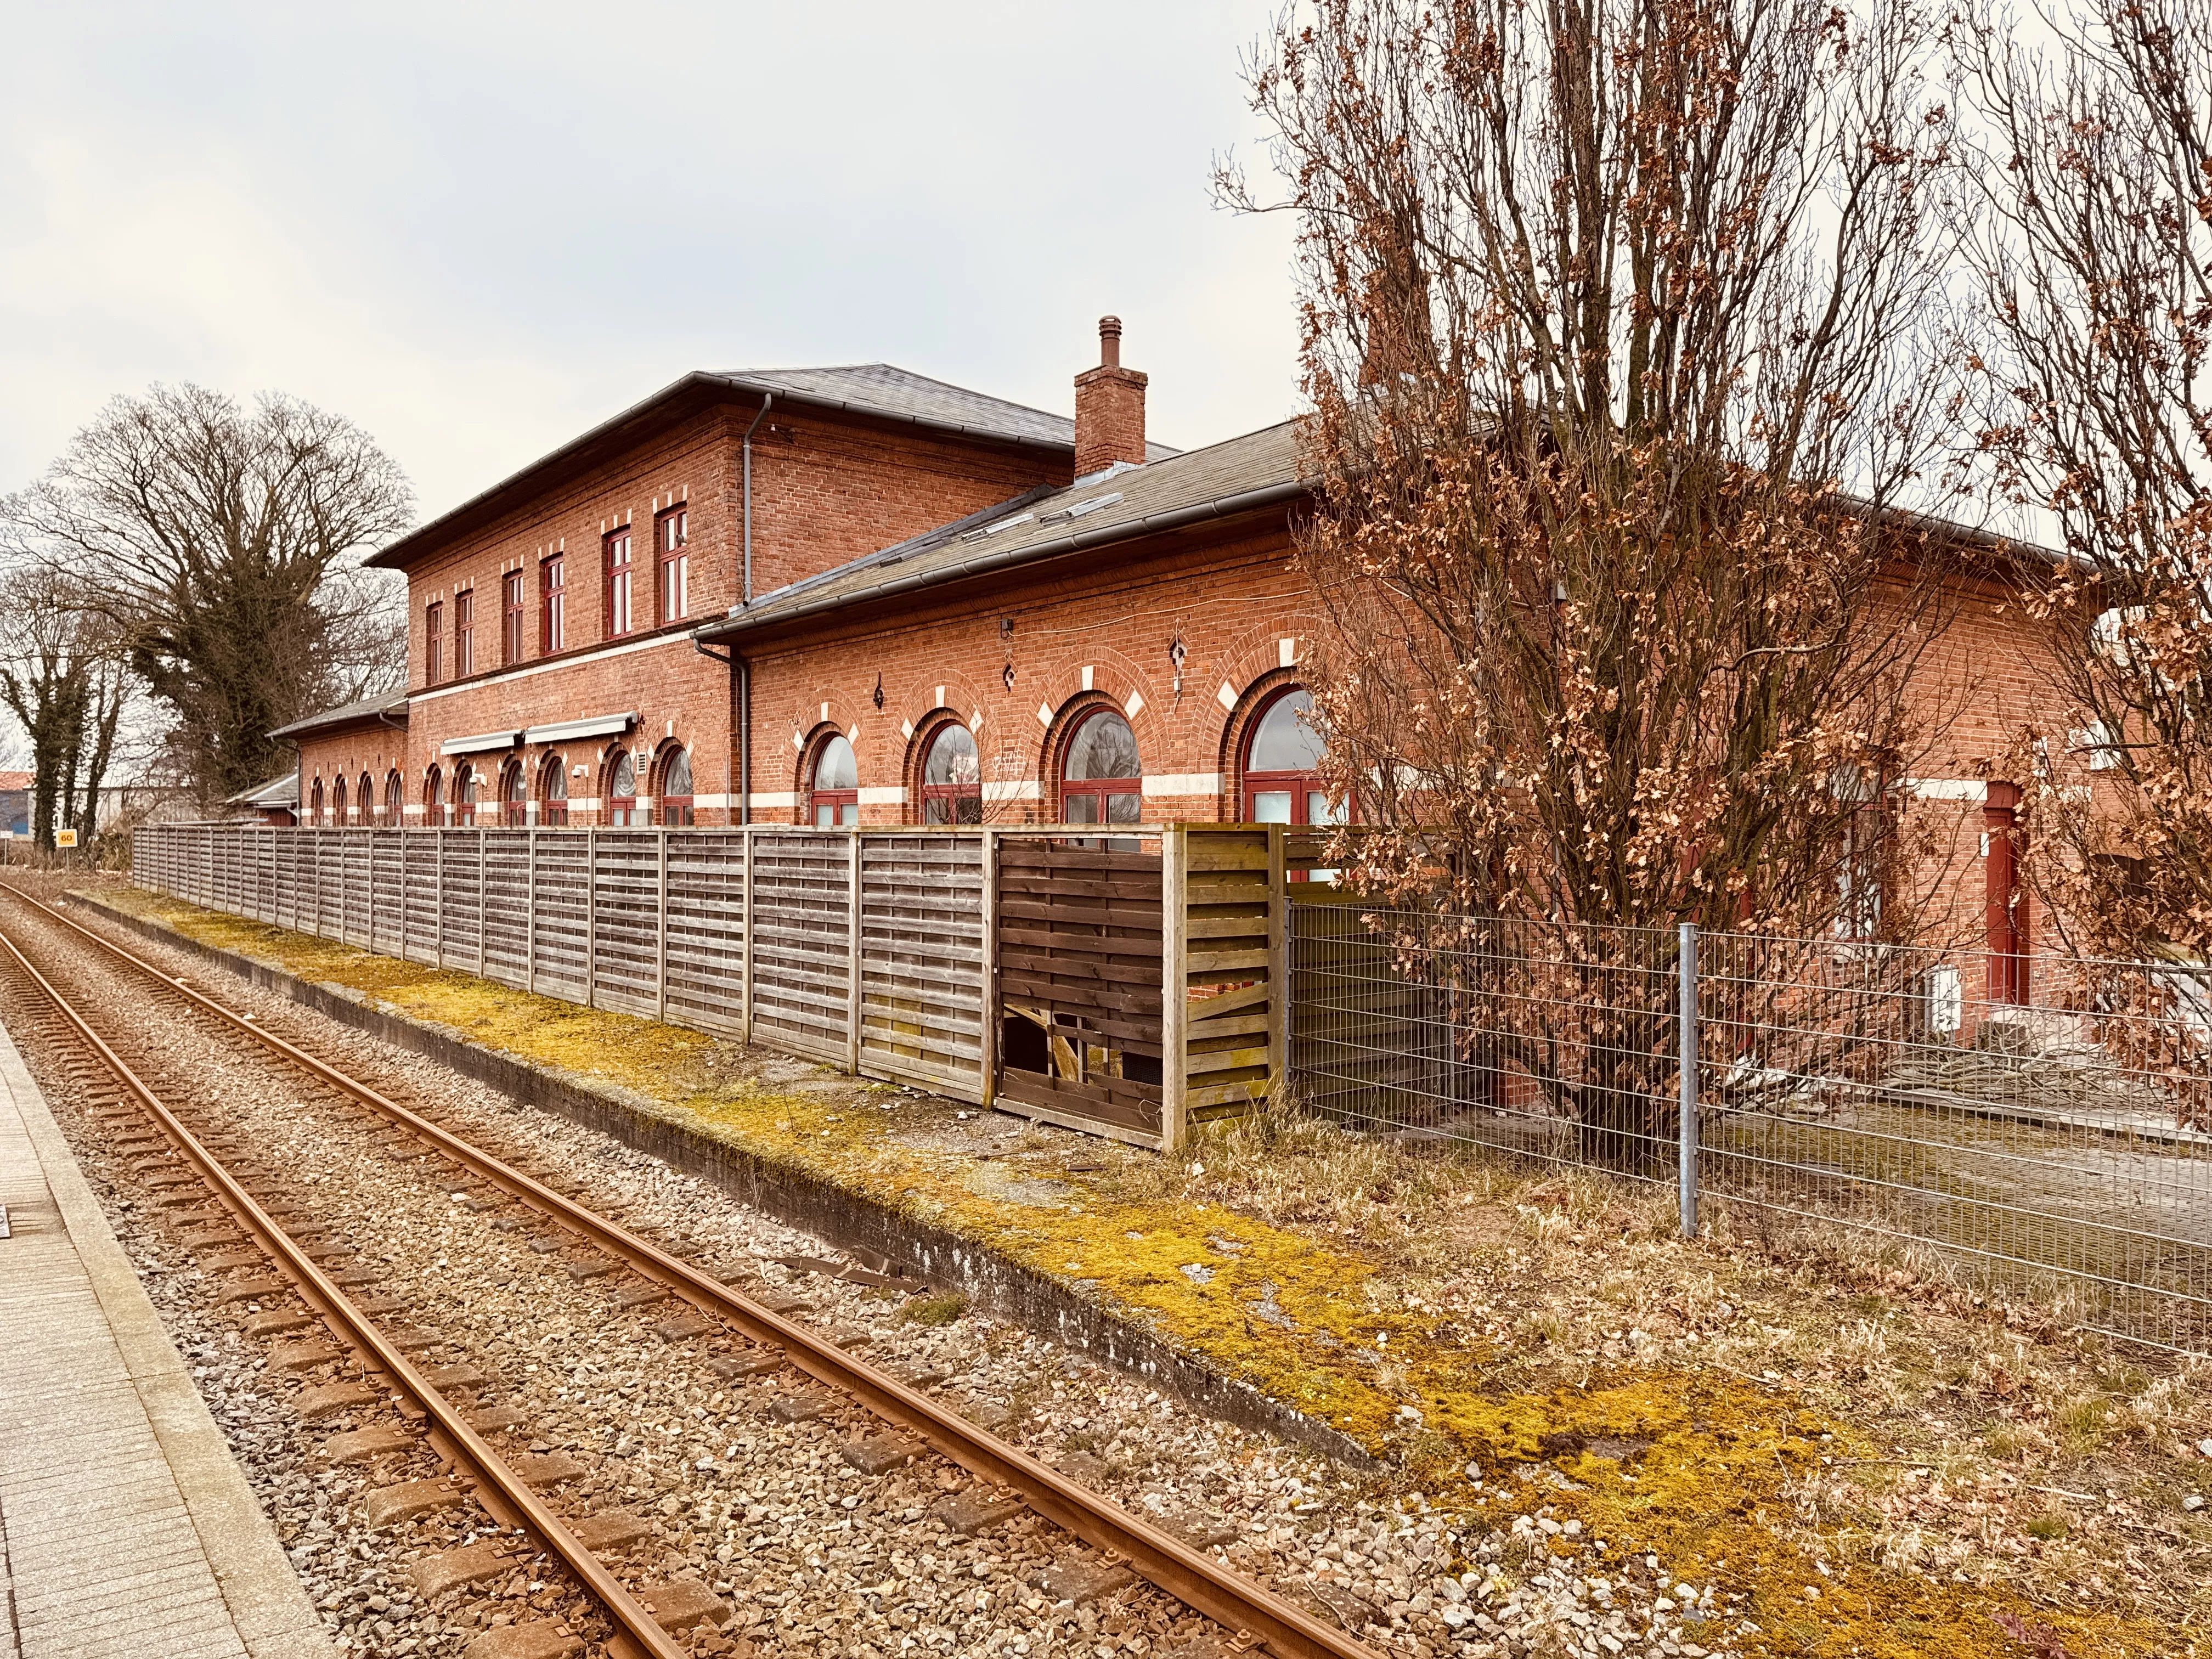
126	1527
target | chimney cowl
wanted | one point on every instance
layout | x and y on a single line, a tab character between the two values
1109	409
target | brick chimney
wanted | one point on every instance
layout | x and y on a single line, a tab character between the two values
1109	408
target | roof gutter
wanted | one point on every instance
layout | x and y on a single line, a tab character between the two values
1076	541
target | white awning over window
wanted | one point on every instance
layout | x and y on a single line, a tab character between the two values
479	743
603	726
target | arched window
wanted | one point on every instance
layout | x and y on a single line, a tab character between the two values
514	795
553	792
833	795
433	798
338	802
365	799
1282	764
675	788
622	791
952	778
315	803
395	798
464	795
1101	779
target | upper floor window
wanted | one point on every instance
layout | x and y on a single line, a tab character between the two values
434	642
465	623
671	534
553	607
510	632
618	572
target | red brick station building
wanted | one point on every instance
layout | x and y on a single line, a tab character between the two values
841	596
856	595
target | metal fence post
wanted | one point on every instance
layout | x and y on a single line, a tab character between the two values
1687	1177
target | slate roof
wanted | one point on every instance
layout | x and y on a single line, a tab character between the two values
880	390
391	703
278	792
900	394
1258	470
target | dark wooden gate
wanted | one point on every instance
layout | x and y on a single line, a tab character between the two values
1079	979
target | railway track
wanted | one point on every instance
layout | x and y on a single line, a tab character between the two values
629	1619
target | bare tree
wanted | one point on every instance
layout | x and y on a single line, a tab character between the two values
1619	328
225	544
63	677
2095	261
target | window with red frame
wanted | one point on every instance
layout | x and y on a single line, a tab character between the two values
553	605
395	797
1101	779
365	801
833	795
621	792
952	777
514	796
618	573
671	534
674	807
510	608
553	792
1282	764
433	798
465	632
315	803
434	643
338	802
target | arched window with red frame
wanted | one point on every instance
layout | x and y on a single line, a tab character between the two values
395	799
365	799
553	792
338	802
433	798
833	789
315	803
675	794
514	795
951	777
1102	779
1282	763
622	791
465	795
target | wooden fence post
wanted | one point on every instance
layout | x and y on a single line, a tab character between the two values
530	910
1279	964
660	969
1175	977
745	963
590	918
483	922
438	894
853	959
989	1001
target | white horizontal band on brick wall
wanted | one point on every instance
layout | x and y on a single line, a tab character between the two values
508	675
1182	783
1019	789
894	796
774	799
1948	788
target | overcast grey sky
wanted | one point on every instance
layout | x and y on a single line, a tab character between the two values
477	229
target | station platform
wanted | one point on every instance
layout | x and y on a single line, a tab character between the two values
126	1527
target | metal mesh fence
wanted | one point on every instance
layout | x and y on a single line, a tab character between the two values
2043	1121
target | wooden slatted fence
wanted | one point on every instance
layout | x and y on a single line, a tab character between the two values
1124	992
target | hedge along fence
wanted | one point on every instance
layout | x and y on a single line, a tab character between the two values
1123	992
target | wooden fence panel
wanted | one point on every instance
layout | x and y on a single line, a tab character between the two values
507	905
802	915
387	864
706	929
921	960
422	903
557	929
626	921
353	905
1079	943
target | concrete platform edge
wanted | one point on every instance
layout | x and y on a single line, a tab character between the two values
845	1217
268	1605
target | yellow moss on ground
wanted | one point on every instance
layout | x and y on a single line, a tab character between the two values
1718	1461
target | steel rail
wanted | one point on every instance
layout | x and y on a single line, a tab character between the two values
1257	1615
490	1469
